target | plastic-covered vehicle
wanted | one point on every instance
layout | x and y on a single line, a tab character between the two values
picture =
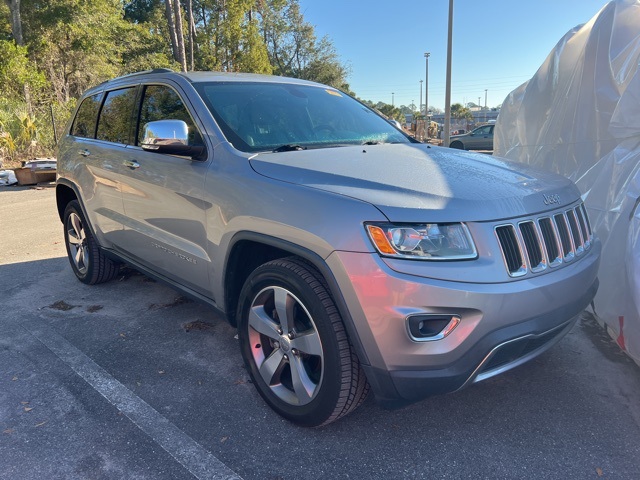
349	256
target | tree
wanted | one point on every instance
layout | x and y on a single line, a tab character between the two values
173	12
16	21
67	46
16	71
293	48
460	113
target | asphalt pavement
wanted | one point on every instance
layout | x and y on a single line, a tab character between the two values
129	380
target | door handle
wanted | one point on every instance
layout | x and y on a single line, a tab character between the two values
132	164
84	153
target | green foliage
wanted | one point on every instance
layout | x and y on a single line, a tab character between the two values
24	134
461	113
387	110
17	71
5	22
71	45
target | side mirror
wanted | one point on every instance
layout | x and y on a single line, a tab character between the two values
170	137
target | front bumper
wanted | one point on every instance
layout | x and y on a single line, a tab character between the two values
502	325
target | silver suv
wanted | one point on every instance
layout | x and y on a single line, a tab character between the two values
349	256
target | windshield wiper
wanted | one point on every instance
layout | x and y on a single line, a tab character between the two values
371	142
289	148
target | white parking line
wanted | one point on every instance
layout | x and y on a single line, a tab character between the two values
189	453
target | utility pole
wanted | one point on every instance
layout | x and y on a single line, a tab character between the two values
426	96
392	94
485	104
447	97
418	136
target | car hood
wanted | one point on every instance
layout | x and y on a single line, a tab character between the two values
420	183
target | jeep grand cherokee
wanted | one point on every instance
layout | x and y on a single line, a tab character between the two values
349	256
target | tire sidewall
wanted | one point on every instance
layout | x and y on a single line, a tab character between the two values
74	207
323	405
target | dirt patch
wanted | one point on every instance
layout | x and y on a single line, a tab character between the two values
177	301
94	308
62	306
197	325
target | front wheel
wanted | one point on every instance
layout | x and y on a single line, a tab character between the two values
295	346
457	144
88	262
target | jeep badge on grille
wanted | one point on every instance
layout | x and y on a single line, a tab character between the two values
550	199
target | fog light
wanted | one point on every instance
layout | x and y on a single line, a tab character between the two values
426	327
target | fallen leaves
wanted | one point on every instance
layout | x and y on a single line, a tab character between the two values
599	472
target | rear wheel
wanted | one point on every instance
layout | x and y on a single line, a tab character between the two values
88	262
457	144
295	346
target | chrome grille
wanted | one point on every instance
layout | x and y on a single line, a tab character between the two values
532	246
511	250
549	241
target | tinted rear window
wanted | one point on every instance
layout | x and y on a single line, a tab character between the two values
114	124
84	124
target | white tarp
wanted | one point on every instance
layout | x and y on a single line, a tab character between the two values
580	116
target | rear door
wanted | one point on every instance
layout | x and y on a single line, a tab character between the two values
164	224
102	130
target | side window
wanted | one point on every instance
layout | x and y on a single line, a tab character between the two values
84	125
163	103
114	124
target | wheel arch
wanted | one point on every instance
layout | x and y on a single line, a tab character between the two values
249	250
65	193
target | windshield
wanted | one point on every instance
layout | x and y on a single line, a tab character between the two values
259	117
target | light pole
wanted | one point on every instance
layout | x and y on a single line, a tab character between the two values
447	97
485	104
420	105
426	96
392	94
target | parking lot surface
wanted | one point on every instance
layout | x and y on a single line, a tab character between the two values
130	380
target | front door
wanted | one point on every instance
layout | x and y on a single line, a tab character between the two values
164	224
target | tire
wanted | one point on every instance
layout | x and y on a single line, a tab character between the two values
298	354
88	262
457	144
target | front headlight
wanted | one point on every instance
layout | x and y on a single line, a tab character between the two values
428	241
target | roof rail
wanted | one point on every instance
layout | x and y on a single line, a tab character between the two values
155	70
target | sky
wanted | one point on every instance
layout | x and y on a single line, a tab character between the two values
497	44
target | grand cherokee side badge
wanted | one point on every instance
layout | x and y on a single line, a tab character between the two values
551	199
